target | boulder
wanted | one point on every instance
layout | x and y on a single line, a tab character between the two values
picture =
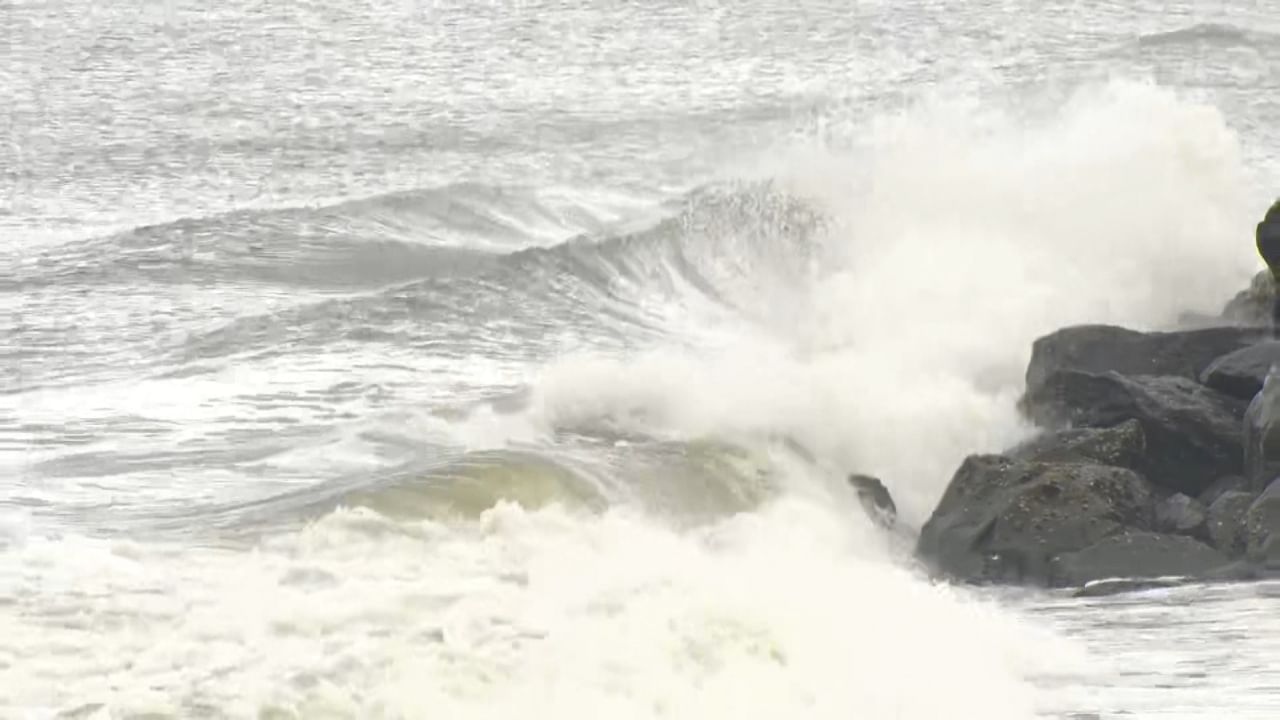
1268	238
1240	374
1192	433
1220	486
1262	528
1004	520
1252	306
1226	521
1136	555
1262	435
1182	515
1121	446
875	499
1098	349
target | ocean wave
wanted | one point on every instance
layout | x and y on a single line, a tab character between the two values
883	323
1211	33
453	486
366	242
711	256
687	482
361	615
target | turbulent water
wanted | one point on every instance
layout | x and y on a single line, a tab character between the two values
504	359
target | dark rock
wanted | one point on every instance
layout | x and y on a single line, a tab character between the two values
1240	374
1116	586
875	499
1192	432
1121	446
1262	528
1136	555
1268	238
1003	520
1244	571
1262	435
1220	486
1098	349
1181	515
1253	306
1226	521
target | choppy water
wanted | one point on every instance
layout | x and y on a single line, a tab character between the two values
503	359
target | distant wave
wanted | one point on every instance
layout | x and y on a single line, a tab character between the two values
337	274
1213	33
368	241
714	253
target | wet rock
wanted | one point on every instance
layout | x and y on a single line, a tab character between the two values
1121	446
875	499
1192	433
1220	486
1262	435
1226	521
1252	306
1240	374
1268	238
1137	555
1243	571
1262	528
1004	520
1182	515
1098	349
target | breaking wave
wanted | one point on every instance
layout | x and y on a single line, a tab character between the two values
618	490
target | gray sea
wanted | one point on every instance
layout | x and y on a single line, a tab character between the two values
503	359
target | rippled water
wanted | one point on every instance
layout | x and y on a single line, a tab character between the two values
496	359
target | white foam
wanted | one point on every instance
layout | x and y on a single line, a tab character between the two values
781	613
959	237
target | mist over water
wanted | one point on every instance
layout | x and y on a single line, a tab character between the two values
508	360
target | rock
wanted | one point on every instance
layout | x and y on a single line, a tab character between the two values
1244	571
875	499
1253	306
1098	349
1262	528
1003	520
1220	486
1268	237
1181	515
1121	446
1240	374
1192	433
1136	555
1116	586
1226	521
1262	435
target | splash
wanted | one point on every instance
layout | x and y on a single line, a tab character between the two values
781	613
958	236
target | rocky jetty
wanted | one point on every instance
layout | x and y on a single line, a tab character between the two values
1158	458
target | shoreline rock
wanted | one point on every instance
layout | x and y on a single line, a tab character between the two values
1193	433
1098	349
1152	468
1136	555
1004	520
1122	445
1240	374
